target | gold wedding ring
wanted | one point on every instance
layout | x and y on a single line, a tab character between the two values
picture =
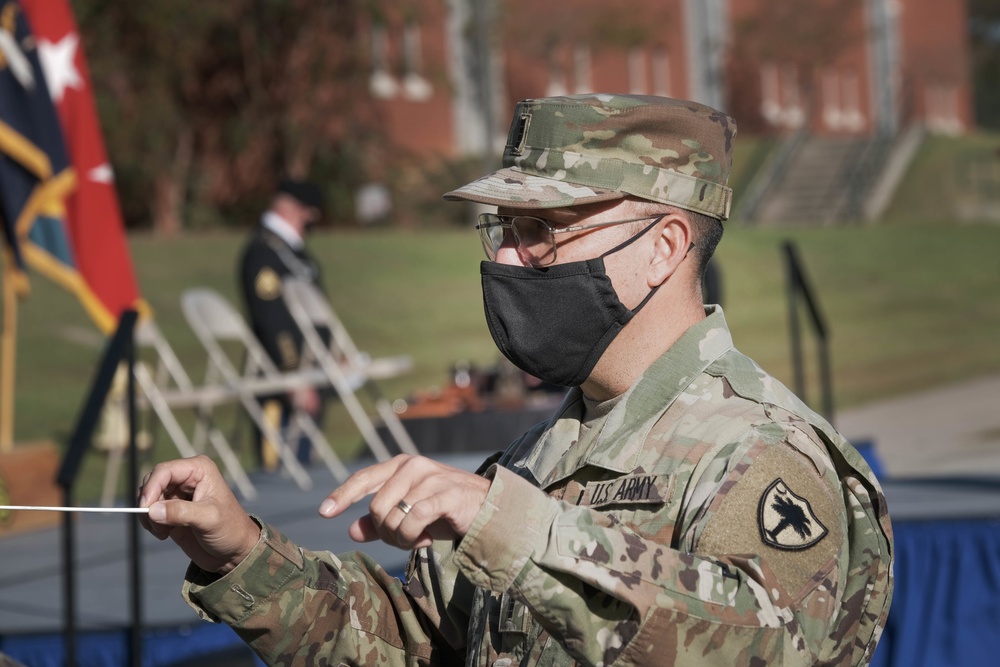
404	506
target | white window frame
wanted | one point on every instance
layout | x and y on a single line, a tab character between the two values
637	77
415	86
381	82
661	72
582	76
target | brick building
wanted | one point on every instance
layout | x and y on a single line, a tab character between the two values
851	66
447	72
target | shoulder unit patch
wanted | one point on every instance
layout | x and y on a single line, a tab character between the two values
786	520
267	284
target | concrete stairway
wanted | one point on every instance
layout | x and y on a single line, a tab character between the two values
814	185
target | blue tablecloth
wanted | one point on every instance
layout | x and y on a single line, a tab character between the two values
946	609
200	644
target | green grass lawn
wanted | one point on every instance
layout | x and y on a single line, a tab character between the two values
951	178
909	308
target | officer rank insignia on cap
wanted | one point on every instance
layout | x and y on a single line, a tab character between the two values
787	521
267	284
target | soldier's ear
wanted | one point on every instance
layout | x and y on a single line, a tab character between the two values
672	241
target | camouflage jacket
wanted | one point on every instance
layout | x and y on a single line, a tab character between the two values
714	519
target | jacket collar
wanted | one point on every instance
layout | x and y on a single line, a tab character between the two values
624	434
278	226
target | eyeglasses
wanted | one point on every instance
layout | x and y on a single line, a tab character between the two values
534	238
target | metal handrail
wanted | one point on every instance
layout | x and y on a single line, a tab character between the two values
769	175
865	172
798	288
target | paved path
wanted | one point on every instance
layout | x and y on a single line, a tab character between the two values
947	431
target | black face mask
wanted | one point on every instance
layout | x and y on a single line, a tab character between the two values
555	322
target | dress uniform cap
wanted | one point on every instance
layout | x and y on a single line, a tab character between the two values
578	149
307	193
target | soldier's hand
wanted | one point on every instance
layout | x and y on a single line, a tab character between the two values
416	500
191	503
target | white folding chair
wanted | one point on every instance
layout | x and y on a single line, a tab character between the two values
169	386
214	321
345	367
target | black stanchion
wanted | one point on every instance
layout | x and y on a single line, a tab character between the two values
135	554
119	348
798	287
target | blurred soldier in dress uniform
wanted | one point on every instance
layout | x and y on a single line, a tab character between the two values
277	249
681	507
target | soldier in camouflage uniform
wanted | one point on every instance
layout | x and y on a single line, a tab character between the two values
681	507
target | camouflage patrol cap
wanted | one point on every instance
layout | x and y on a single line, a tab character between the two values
578	149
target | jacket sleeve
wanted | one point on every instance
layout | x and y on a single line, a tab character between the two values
261	274
613	596
294	606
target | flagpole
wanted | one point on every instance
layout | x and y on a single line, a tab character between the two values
8	355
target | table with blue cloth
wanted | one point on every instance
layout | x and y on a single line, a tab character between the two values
946	606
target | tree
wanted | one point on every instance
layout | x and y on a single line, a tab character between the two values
211	102
984	33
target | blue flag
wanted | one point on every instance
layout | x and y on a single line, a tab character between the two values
35	175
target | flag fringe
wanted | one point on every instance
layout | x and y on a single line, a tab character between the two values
26	153
71	280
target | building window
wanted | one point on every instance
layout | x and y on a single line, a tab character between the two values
942	108
557	77
381	82
780	100
582	82
415	86
637	71
850	89
770	104
661	73
842	100
792	113
831	99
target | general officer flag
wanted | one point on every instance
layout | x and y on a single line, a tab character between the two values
96	263
35	175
